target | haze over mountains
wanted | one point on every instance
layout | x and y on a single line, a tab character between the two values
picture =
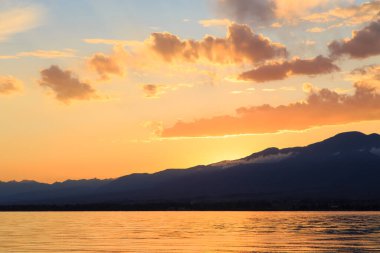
345	167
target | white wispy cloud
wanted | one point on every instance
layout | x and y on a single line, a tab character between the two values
17	20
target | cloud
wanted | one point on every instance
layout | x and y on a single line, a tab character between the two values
18	20
375	151
276	25
322	107
351	15
293	10
10	85
109	65
368	76
105	41
7	57
48	53
215	22
261	11
363	43
309	42
131	43
153	90
319	17
266	11
309	88
252	89
65	85
155	127
240	45
156	90
281	70
316	30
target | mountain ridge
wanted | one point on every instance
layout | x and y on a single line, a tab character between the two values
345	167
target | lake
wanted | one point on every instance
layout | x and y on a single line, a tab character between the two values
190	232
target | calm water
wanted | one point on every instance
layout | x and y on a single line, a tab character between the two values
190	232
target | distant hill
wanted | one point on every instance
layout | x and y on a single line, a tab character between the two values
32	192
341	170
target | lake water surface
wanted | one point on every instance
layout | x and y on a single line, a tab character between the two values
190	232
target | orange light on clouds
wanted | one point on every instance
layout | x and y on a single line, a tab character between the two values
150	87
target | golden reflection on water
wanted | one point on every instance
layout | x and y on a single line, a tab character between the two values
190	232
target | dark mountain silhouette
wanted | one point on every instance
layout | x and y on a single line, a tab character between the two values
344	168
31	192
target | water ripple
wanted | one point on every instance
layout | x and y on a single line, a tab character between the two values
190	232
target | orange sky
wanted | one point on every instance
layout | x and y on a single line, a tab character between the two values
121	87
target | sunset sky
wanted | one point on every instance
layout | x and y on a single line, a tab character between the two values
94	88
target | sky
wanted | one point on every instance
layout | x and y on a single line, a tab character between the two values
101	89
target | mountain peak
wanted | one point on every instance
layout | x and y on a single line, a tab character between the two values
265	152
351	134
346	142
352	138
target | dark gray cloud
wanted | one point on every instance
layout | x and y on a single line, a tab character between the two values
256	11
363	43
281	70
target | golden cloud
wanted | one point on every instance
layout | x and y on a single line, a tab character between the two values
322	107
351	15
153	90
368	76
156	90
10	85
294	9
48	53
7	57
215	22
131	43
316	30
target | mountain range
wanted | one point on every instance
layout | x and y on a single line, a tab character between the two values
342	171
